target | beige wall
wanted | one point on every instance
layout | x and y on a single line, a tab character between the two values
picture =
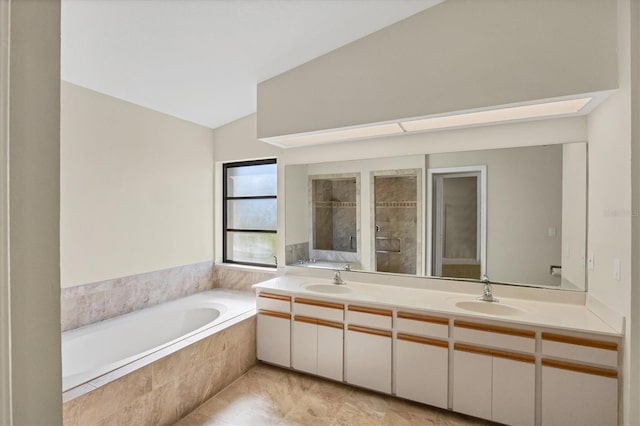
458	55
136	189
34	212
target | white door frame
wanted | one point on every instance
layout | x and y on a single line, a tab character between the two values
5	304
482	207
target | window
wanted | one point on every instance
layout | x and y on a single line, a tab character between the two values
250	213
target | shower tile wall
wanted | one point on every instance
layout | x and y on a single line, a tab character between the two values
335	221
396	217
94	302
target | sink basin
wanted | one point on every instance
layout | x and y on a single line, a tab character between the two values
491	308
328	288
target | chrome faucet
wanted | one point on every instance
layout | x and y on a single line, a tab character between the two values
337	278
487	293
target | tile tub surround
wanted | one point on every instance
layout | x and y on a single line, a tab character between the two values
268	395
166	390
296	252
89	303
240	278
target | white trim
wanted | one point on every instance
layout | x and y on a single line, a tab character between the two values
5	303
482	206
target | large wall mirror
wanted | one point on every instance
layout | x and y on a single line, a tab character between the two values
517	215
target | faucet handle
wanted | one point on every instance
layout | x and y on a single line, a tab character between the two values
485	279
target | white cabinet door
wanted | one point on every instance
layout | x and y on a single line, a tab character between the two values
304	349
578	398
514	385
368	358
422	372
330	351
472	377
274	338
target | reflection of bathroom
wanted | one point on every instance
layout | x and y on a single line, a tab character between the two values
334	209
456	226
396	216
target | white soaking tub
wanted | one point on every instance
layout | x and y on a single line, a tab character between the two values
97	349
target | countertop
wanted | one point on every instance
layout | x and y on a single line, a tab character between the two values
565	316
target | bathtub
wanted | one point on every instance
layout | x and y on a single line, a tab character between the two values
98	349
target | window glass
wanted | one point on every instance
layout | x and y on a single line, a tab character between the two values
250	212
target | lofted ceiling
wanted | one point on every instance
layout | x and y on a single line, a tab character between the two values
200	60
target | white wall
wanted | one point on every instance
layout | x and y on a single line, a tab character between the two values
136	188
574	215
458	55
34	212
609	232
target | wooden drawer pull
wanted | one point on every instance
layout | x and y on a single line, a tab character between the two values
370	331
423	318
318	322
423	340
318	303
494	352
330	324
274	314
600	344
495	329
597	371
373	311
274	296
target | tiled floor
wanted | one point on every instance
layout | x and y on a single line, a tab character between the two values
272	396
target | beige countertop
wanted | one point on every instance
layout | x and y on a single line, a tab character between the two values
565	316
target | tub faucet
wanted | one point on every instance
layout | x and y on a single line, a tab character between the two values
337	278
487	293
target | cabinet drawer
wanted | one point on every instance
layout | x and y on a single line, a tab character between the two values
274	302
371	317
495	336
580	349
578	395
422	324
319	309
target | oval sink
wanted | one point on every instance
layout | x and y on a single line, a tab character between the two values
492	308
328	288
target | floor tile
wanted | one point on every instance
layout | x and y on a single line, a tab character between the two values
268	395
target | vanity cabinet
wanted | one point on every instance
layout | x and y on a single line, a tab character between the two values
490	382
368	358
576	391
498	370
422	369
368	348
274	329
274	337
318	342
422	358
